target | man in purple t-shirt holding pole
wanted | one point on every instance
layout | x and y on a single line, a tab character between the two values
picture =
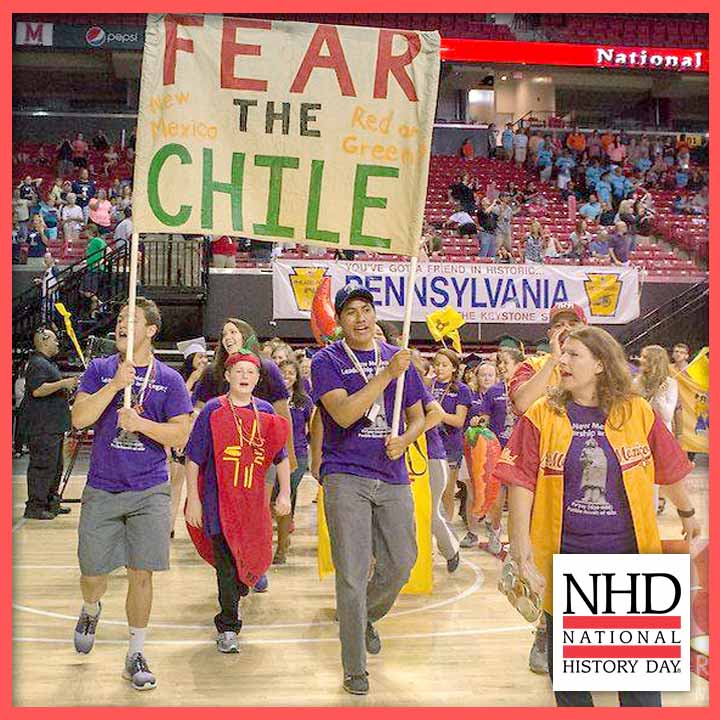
125	516
368	502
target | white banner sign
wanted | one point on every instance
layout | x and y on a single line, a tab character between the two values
285	131
482	293
30	33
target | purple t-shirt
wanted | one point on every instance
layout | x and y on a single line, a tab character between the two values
496	404
452	437
115	468
200	450
596	514
620	245
474	409
435	448
270	387
360	449
300	419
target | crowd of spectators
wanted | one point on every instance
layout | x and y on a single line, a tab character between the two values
84	200
609	179
83	192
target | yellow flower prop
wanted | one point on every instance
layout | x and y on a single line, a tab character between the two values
445	324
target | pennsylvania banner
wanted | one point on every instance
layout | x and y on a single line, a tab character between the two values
285	132
481	293
693	414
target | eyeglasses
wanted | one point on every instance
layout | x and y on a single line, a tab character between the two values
518	592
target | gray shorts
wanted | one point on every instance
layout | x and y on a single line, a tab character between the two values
127	529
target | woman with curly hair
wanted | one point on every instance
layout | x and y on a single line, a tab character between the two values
575	484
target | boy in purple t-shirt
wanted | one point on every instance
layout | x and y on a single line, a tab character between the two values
125	516
368	503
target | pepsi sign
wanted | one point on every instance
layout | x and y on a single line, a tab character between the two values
97	37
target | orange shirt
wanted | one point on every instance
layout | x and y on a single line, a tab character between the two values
576	141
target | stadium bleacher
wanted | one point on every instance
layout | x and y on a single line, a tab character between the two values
684	233
621	30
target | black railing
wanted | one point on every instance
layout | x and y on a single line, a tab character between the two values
31	309
168	266
180	263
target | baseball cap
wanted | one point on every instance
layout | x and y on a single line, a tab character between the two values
570	308
350	292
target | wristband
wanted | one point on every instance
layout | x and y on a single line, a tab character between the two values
686	513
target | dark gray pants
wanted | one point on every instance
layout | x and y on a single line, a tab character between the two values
44	470
367	518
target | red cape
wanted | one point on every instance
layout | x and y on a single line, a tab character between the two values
240	468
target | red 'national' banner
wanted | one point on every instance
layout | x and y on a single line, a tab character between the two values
576	54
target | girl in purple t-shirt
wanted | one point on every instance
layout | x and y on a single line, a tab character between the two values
455	399
301	409
438	471
496	411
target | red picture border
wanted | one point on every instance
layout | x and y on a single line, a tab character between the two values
254	6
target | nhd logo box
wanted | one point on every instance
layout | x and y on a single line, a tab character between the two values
621	622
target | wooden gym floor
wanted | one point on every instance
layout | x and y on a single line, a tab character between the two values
462	645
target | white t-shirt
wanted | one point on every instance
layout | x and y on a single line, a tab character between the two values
22	208
49	282
665	401
124	230
520	140
72	212
461	218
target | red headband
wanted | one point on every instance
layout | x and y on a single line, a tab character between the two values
242	357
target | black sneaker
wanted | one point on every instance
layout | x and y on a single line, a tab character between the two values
38	515
59	510
372	640
453	562
356	684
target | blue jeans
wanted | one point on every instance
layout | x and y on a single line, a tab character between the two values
487	244
581	698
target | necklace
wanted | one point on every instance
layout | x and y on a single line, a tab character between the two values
250	450
137	398
356	363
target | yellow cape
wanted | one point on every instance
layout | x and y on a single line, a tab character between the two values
421	579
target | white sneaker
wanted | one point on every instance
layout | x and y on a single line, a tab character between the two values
228	642
494	545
